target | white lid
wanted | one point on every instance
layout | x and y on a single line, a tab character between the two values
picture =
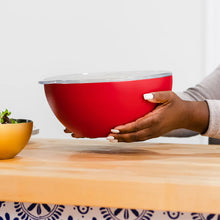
105	77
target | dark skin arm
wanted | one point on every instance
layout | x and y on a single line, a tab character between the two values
171	113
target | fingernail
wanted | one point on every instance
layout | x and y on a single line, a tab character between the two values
148	96
114	141
109	138
116	131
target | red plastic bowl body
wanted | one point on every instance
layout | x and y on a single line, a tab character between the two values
93	109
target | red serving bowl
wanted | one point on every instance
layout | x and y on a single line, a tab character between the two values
90	105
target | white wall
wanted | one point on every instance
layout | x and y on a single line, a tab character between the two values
44	37
212	50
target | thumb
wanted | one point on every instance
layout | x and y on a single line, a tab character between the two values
159	97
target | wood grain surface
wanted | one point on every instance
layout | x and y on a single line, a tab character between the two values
173	177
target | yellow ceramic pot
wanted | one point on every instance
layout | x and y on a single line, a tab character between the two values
14	137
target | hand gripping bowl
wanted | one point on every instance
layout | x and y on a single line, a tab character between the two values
91	104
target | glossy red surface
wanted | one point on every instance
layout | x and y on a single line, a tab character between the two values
93	109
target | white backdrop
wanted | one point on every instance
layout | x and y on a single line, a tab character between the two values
212	35
50	37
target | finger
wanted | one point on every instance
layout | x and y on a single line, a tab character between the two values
127	128
139	124
111	139
159	97
132	137
66	130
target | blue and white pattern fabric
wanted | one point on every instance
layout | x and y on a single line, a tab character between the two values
34	211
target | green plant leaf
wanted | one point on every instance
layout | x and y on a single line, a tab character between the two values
4	119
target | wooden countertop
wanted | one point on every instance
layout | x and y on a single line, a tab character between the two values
174	177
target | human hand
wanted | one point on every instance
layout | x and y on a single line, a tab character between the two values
171	113
66	130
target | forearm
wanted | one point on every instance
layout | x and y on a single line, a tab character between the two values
196	116
206	90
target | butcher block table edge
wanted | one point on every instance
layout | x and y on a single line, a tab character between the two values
30	177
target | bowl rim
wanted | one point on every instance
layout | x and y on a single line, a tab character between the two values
99	77
21	121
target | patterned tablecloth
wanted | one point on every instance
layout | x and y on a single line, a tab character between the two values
33	211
